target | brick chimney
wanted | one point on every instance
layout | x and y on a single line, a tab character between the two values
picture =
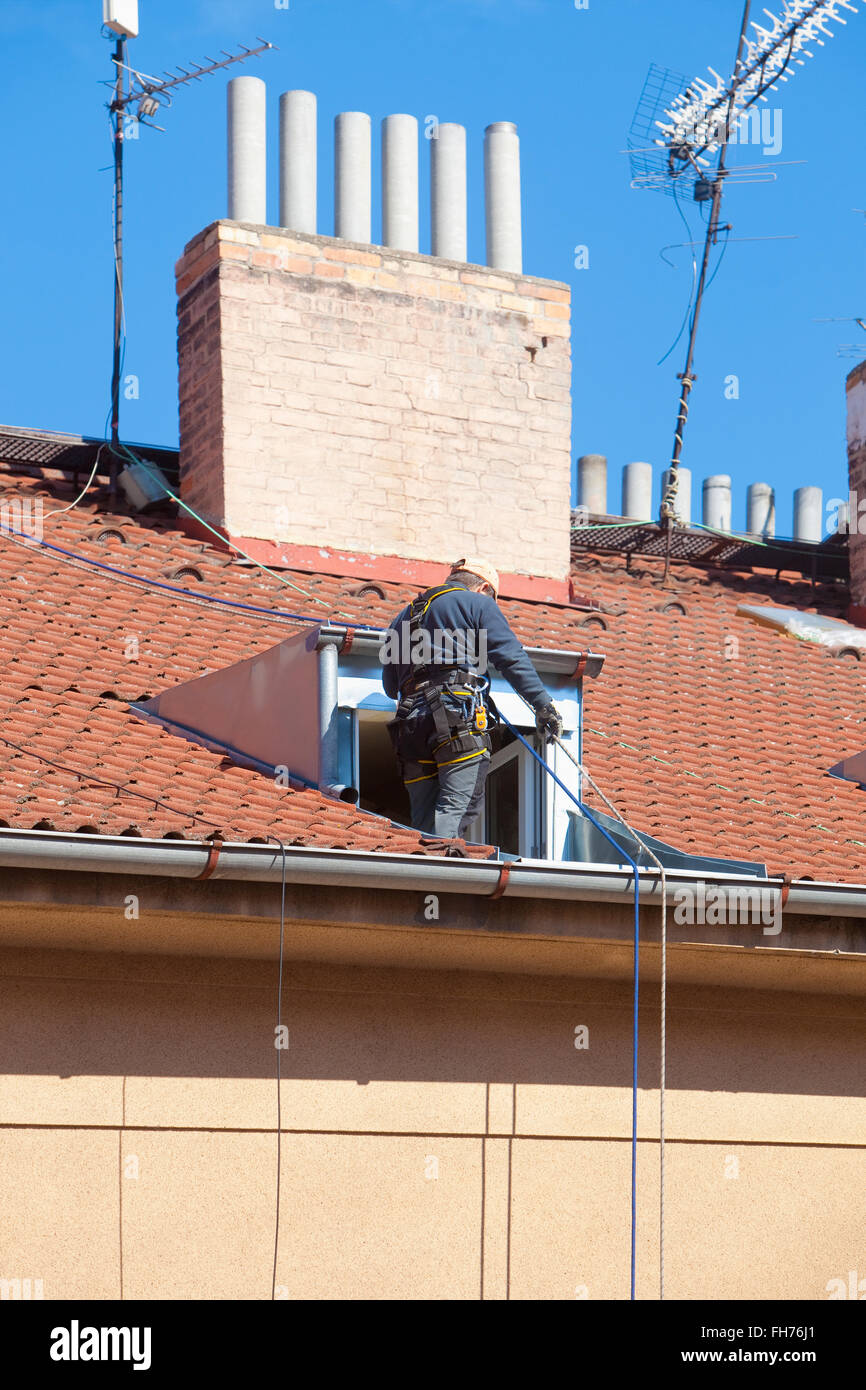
856	392
340	401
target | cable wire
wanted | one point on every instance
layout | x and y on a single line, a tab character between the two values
718	265
28	542
730	535
278	1041
662	1004
200	519
687	315
118	787
636	1004
58	511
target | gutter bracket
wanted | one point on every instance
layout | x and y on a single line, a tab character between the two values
216	845
502	882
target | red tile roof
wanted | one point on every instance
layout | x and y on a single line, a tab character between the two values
706	730
715	733
77	643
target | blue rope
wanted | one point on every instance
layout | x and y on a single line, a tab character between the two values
184	593
618	847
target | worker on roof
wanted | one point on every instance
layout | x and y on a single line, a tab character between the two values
435	659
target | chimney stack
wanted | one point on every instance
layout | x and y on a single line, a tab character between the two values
808	514
592	483
448	191
400	182
371	409
717	502
352	192
502	196
247	151
637	491
298	153
760	510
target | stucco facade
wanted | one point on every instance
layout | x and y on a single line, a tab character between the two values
456	1101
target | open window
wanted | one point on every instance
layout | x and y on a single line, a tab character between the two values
525	814
375	770
513	816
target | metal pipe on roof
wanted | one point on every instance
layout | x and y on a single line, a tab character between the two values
47	850
352	190
592	483
448	191
717	502
637	491
298	161
502	196
247	150
328	727
760	510
400	182
808	514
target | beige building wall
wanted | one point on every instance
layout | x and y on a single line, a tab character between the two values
443	1137
374	400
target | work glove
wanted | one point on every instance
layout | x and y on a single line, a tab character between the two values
548	722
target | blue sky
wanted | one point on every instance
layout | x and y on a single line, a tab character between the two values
570	78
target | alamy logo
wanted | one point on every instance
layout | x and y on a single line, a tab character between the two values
751	127
855	1288
75	1343
436	646
22	516
718	907
846	516
20	1290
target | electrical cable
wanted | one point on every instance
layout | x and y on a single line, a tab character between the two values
58	511
663	990
636	960
193	513
29	542
730	535
662	1003
610	525
278	1048
687	314
721	258
118	787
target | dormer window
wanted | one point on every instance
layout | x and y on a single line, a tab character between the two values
525	813
313	711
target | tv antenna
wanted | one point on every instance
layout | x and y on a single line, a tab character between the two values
696	127
147	94
849	349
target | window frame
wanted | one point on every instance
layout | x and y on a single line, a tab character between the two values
544	806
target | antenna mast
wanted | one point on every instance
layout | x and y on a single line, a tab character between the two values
148	93
686	377
700	123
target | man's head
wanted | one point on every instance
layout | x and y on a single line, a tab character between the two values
476	574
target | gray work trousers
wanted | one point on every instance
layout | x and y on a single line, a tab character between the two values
447	804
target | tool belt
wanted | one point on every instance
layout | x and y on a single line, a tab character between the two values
455	701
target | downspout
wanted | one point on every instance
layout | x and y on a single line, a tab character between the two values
329	731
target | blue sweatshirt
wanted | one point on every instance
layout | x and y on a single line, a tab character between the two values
468	611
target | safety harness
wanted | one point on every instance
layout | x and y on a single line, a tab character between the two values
461	722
